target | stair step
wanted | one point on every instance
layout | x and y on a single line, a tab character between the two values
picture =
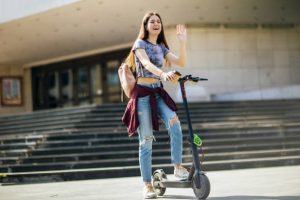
158	155
91	142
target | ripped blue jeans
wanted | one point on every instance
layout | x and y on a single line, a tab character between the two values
146	137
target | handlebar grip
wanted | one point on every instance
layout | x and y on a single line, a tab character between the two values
196	79
188	77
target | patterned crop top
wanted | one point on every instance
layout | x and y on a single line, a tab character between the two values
156	54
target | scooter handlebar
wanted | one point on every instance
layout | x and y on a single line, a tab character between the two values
192	78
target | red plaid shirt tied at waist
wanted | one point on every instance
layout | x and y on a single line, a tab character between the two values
130	117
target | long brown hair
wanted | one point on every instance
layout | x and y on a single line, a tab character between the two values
144	34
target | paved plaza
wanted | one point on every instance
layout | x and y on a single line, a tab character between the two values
275	183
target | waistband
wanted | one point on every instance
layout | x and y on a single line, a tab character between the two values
151	85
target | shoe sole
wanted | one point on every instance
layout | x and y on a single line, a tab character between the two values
151	197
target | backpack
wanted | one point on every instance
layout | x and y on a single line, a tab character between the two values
127	80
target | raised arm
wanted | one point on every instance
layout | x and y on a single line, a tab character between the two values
182	38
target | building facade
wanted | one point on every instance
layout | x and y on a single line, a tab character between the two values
69	55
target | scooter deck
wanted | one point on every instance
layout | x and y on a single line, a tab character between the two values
175	183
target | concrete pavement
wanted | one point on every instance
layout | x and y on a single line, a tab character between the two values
274	183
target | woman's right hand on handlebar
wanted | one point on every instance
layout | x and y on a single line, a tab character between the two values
168	76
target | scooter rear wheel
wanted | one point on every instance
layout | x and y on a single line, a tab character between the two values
158	176
204	190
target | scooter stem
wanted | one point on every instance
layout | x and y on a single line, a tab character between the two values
195	152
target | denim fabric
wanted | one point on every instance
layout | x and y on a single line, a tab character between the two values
146	137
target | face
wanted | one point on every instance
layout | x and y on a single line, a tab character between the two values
154	25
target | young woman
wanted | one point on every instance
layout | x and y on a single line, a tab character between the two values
149	100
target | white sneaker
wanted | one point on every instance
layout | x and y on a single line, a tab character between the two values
149	192
181	173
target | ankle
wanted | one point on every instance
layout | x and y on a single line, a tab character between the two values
178	166
148	184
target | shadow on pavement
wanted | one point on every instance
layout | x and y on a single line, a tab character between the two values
234	197
176	197
256	198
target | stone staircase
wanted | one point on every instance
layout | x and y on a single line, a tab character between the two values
90	142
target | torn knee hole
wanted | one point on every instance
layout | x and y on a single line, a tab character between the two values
148	139
174	120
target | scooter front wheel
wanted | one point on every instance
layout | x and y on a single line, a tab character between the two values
158	176
204	190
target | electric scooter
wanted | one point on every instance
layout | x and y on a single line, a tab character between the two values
197	178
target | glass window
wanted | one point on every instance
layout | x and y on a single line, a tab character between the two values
83	85
53	90
67	88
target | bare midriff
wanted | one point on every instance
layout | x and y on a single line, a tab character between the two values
145	80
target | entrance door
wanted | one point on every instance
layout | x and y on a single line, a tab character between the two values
78	82
61	87
112	89
83	90
39	81
66	82
53	96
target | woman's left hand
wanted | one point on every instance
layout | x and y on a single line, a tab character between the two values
181	32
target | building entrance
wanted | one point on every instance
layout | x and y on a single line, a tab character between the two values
90	80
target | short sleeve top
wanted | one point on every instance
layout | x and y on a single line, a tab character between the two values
156	54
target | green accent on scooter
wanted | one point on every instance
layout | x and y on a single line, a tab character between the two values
197	140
